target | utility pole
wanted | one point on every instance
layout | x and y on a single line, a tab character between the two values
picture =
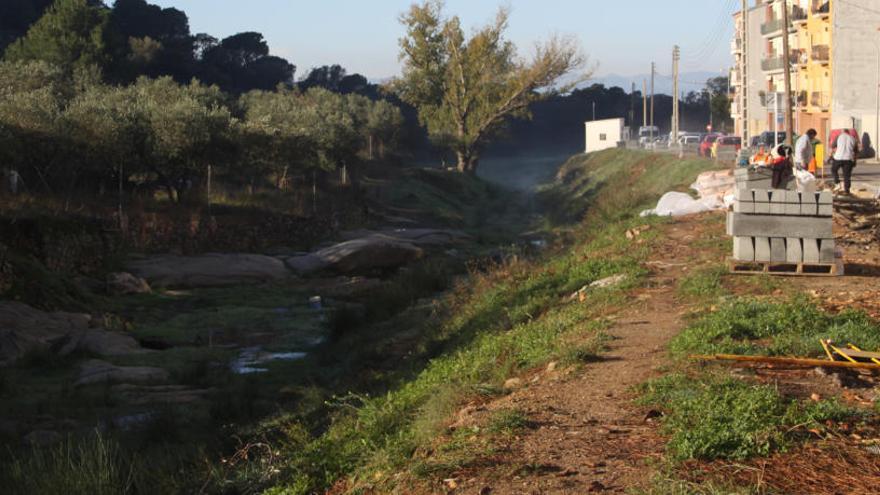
632	105
743	73
644	103
653	71
594	110
676	55
786	66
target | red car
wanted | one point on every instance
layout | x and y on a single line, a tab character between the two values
835	133
706	144
728	143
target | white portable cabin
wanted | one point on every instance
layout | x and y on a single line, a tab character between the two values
603	134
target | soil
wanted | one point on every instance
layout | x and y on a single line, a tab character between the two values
587	435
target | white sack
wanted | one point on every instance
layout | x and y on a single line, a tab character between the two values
677	204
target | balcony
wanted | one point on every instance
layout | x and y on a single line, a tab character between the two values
800	57
771	27
821	8
773	64
821	54
820	100
736	46
798	14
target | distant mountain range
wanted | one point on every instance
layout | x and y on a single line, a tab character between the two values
689	81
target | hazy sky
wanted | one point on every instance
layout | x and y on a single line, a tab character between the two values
622	36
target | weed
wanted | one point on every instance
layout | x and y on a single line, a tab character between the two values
704	283
712	416
508	421
92	466
752	326
587	352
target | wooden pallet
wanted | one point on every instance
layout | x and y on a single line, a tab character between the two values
786	269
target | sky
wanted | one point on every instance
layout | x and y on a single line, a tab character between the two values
620	37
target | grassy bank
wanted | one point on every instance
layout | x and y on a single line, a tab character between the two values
492	327
363	408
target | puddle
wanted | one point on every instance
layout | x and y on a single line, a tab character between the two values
249	360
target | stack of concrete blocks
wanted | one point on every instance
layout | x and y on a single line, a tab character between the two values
758	178
781	226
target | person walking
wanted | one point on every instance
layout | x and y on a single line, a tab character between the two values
803	150
844	158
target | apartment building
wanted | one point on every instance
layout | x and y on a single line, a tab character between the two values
748	95
835	65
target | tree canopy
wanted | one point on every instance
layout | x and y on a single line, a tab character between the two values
72	33
466	88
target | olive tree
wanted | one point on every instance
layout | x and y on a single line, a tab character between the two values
465	88
188	130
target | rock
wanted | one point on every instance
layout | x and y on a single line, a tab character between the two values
159	394
42	438
123	284
815	397
104	343
208	270
513	384
417	237
24	329
306	264
551	367
96	371
357	256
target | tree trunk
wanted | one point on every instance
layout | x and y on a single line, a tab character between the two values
467	162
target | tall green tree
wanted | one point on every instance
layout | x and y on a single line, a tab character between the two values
466	88
70	34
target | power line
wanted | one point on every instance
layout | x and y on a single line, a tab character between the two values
717	33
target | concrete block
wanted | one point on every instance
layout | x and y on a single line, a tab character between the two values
777	201
794	250
777	249
826	250
762	249
743	249
762	201
809	207
730	223
744	195
792	203
747	207
825	210
825	198
779	226
811	250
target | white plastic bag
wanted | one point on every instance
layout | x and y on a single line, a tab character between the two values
675	204
806	182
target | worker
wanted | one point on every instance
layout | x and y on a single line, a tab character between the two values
761	158
781	167
803	150
844	158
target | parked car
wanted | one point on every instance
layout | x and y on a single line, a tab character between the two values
726	143
766	139
690	140
706	144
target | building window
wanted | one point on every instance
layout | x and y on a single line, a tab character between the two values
603	137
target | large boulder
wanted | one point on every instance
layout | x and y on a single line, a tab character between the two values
95	371
422	237
208	270
357	256
24	329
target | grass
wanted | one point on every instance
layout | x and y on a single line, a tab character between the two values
703	284
775	328
512	318
711	416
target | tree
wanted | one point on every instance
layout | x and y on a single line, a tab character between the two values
465	89
719	101
70	34
241	63
152	41
188	129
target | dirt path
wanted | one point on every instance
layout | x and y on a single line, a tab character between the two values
587	435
